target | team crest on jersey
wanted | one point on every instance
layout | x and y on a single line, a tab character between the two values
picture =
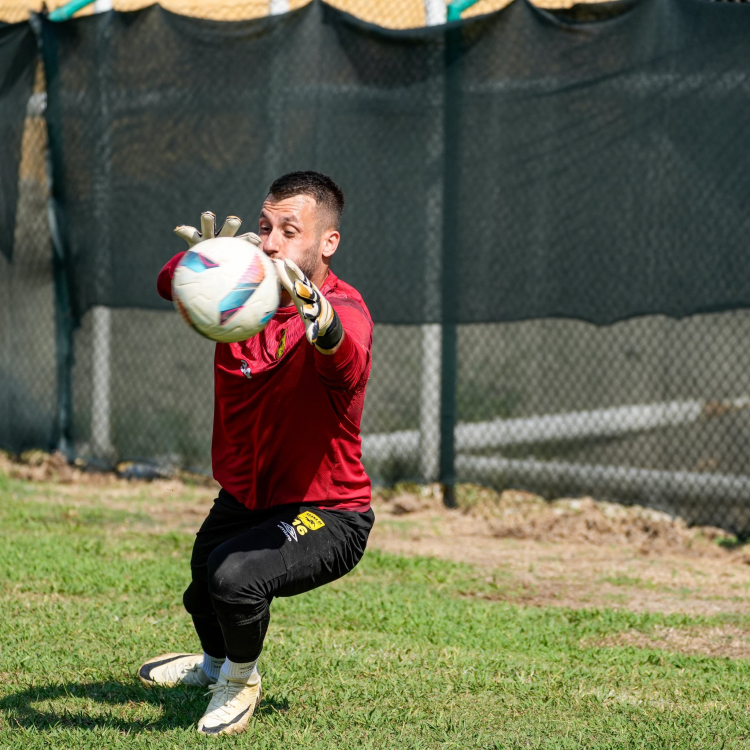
282	345
245	369
289	531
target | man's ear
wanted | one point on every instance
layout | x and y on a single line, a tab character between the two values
330	242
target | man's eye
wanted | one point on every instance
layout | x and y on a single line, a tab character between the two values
289	232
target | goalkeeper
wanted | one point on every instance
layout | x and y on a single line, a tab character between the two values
293	512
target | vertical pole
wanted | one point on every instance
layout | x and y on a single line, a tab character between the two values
277	7
61	267
64	323
450	265
101	381
435	12
101	355
430	396
429	404
273	152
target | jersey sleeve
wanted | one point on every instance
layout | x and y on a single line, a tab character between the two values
164	280
343	370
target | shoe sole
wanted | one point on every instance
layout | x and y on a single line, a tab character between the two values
239	726
145	668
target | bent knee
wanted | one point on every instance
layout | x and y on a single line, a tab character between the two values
196	599
237	576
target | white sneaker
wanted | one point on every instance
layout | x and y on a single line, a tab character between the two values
232	704
169	670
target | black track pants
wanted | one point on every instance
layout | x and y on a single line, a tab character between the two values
242	559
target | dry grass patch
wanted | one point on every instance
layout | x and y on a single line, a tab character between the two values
727	641
570	552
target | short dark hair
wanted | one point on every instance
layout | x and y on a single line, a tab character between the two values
315	184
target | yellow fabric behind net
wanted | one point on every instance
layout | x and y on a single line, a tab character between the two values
396	14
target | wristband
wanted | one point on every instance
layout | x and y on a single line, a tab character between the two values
333	335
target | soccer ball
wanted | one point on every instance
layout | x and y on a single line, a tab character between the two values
226	288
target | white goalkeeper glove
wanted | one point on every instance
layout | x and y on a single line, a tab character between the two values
322	325
208	230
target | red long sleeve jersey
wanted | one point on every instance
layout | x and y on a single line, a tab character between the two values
286	417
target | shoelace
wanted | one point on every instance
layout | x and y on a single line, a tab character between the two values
224	692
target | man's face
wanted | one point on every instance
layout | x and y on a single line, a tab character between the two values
290	229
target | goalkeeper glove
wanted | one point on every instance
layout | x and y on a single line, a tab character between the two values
208	230
322	325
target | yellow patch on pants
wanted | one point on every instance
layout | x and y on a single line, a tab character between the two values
307	521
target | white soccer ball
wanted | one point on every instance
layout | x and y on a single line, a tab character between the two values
226	288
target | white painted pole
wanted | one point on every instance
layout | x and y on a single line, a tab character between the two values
432	342
277	7
101	406
435	12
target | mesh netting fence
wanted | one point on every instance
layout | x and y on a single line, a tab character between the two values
635	406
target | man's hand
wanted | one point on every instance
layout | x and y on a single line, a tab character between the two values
322	325
208	230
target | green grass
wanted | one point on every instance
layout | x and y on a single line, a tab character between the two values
403	653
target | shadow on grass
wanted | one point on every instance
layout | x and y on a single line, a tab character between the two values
116	705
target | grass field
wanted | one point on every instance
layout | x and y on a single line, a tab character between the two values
406	652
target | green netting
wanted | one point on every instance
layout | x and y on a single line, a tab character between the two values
561	167
545	216
18	53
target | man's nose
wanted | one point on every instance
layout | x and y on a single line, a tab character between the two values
270	243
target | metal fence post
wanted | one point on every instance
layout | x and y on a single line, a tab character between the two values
65	319
450	266
430	397
277	7
435	12
101	316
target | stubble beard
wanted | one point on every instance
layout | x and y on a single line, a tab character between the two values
310	262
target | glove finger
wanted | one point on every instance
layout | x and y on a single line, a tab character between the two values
311	312
190	234
295	271
304	291
283	274
230	226
312	332
208	225
250	237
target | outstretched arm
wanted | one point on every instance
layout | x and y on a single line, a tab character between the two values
164	280
344	367
341	334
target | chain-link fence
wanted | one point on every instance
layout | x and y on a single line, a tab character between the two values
27	320
651	409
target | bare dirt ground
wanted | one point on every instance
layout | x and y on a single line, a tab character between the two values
576	552
570	552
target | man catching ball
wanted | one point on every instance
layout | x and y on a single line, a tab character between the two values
293	512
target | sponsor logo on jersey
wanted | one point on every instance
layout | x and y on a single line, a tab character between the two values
307	522
289	531
245	369
282	345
